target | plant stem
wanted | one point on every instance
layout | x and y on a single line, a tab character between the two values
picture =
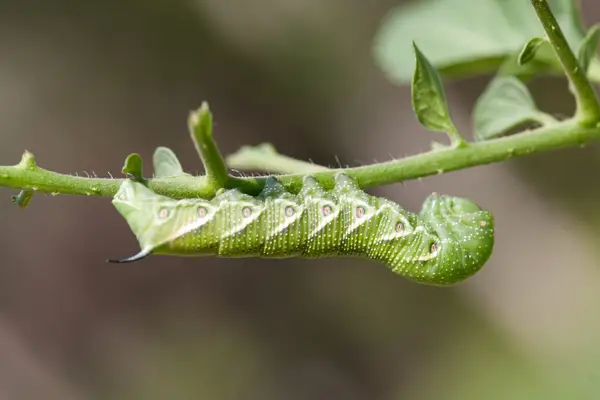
200	125
588	110
564	134
264	157
545	119
28	176
456	140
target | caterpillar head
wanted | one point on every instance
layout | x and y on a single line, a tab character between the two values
142	208
465	233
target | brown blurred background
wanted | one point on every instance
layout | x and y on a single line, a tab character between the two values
85	83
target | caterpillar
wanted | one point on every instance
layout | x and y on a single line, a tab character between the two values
450	239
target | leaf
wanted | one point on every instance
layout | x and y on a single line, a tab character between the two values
588	46
133	166
428	96
530	49
166	163
505	104
534	67
465	37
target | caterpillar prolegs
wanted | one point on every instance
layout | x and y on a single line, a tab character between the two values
449	240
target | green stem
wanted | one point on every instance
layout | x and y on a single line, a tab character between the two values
264	157
588	110
456	140
28	176
200	125
564	134
545	119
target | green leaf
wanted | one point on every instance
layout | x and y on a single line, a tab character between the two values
428	96
534	67
133	166
588	46
464	37
505	105
166	163
530	49
23	198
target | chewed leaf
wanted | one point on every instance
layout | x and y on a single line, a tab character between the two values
133	166
428	96
265	157
23	198
530	49
166	163
588	46
506	104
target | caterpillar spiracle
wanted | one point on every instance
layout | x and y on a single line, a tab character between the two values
449	240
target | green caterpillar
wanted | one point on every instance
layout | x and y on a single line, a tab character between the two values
448	241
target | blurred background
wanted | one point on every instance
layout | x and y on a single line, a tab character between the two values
85	83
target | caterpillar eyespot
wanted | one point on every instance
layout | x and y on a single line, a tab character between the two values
449	240
399	227
163	213
433	248
360	212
